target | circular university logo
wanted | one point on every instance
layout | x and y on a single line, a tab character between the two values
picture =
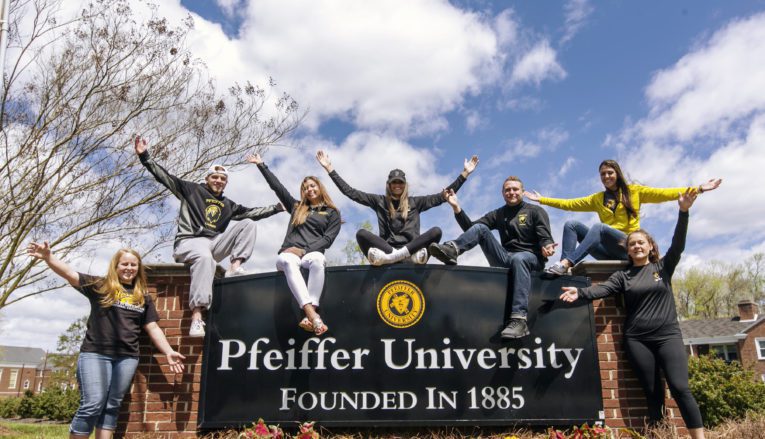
400	304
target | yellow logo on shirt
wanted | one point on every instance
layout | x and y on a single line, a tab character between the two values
522	219
400	304
656	276
212	215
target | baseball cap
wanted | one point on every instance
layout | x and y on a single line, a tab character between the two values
396	175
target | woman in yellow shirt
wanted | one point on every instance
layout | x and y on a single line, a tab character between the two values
618	208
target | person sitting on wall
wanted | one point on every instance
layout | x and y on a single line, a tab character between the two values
652	337
526	243
618	208
314	225
204	236
120	306
398	215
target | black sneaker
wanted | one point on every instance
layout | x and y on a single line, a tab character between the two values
446	252
516	328
556	269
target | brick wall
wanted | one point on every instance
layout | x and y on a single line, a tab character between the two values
747	349
164	403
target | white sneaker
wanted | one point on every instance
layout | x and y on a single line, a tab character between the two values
376	256
238	272
197	329
420	257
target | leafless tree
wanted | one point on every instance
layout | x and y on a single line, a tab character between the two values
74	93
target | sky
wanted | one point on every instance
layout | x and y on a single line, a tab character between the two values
541	90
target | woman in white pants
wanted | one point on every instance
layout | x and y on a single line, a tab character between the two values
314	225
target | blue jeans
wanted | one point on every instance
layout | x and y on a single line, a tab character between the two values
521	264
103	382
600	241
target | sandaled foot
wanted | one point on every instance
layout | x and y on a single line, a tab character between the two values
319	327
306	324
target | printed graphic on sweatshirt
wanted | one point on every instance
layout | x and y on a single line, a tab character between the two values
212	212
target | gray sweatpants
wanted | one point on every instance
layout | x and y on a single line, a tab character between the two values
203	254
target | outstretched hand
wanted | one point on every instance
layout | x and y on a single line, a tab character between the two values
323	158
39	251
254	158
451	197
533	196
711	184
686	199
549	249
570	294
141	145
470	165
174	361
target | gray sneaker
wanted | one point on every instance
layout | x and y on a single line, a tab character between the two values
238	272
446	252
420	256
516	328
197	329
556	269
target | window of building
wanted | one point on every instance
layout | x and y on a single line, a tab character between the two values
26	384
760	344
12	378
727	352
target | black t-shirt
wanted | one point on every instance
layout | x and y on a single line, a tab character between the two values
610	200
647	290
114	330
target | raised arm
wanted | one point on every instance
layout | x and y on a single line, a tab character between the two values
42	252
364	198
614	284
256	213
429	201
174	359
582	204
281	192
173	183
675	251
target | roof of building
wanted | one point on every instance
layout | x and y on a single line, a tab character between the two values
709	329
22	356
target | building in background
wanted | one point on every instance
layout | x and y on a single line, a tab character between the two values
741	338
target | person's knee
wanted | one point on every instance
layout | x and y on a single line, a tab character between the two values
571	224
437	234
285	260
317	261
481	229
362	234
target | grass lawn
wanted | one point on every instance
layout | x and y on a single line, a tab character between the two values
23	430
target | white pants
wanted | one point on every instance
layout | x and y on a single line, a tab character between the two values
291	264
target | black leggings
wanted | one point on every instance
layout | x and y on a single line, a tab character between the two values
648	358
367	240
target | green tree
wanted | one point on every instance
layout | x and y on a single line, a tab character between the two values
353	254
74	93
64	361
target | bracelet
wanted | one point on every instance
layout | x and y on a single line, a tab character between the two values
701	189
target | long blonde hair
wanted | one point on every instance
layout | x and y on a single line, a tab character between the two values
301	212
403	202
110	285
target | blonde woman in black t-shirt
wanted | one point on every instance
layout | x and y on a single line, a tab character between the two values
120	307
652	338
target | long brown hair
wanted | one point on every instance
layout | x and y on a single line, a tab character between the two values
653	255
621	184
110	285
403	202
300	214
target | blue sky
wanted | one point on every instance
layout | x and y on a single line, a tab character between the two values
542	90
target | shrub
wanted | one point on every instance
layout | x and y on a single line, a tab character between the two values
54	404
724	390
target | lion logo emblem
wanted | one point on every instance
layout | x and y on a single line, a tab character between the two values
212	214
400	304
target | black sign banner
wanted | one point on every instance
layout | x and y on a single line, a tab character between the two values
407	345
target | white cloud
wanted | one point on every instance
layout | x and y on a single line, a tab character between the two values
229	7
707	119
712	87
576	14
537	65
545	139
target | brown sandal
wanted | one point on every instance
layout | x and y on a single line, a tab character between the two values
306	325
